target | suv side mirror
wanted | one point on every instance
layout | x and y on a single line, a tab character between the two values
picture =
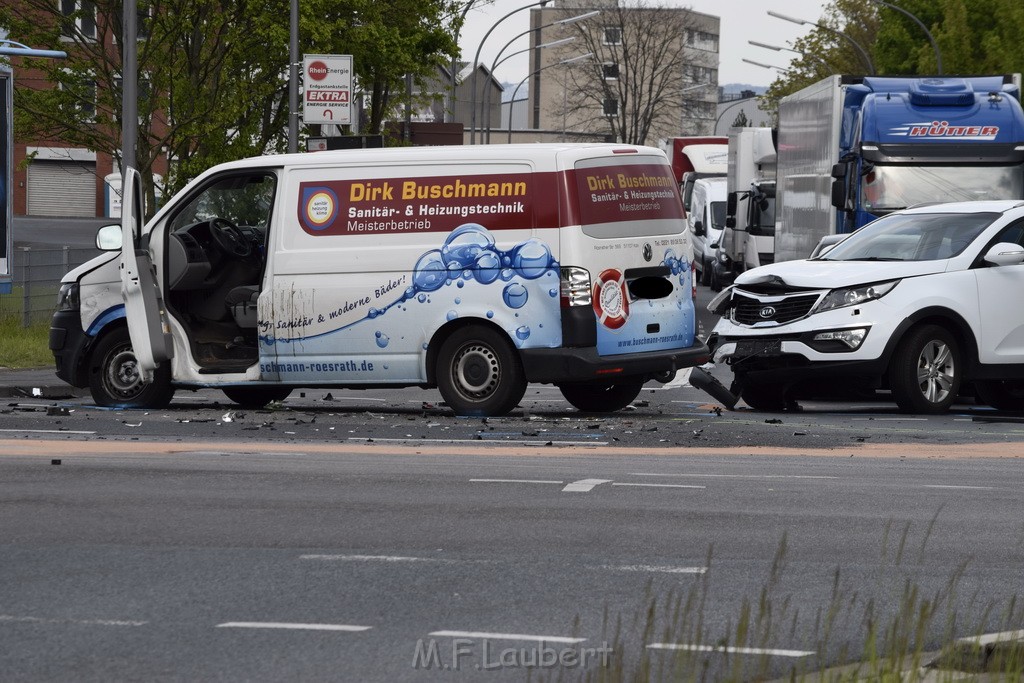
1004	254
698	228
108	238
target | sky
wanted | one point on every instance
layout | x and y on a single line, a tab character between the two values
741	20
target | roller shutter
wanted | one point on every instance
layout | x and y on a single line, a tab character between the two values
62	188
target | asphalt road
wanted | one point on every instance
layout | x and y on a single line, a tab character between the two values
207	561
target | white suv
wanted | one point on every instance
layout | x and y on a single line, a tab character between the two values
919	302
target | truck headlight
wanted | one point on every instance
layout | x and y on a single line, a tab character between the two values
851	296
67	297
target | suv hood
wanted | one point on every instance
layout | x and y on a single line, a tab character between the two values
833	274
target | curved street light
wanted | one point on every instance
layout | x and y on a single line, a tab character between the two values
766	66
803	22
512	102
486	113
476	61
779	48
931	38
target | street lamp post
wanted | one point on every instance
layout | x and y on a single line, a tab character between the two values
931	38
453	76
512	102
476	60
803	22
766	66
487	93
293	77
779	48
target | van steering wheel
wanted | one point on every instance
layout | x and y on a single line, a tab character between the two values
230	237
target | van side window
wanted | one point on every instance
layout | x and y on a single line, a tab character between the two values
245	200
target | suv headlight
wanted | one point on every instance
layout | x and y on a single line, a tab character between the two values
67	297
851	296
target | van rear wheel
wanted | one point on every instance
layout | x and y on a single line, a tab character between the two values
114	378
598	397
256	397
479	372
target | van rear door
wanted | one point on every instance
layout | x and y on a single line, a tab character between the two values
144	306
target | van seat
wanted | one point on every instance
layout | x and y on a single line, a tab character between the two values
241	301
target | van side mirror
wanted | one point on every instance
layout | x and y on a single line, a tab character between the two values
108	238
698	228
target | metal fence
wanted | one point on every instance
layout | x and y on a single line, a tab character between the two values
37	274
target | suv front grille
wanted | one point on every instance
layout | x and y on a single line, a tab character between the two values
749	310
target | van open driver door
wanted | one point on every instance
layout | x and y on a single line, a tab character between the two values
144	306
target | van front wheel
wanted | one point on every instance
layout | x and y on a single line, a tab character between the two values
114	375
479	372
597	397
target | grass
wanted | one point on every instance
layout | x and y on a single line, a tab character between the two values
24	347
898	631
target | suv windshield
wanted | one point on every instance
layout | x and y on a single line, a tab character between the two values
912	237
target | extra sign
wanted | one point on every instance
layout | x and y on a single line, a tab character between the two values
327	81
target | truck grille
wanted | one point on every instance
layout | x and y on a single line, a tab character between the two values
748	310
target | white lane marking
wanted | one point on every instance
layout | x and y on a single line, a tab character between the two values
662	486
76	622
515	442
373	558
890	419
44	431
655	568
516	481
730	650
294	627
505	636
733	476
990	638
584	485
968	488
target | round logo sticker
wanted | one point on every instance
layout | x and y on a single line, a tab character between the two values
321	207
611	303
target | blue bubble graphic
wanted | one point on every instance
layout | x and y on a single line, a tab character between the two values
410	293
382	339
531	259
465	244
515	295
460	284
373	313
487	267
490	314
421	298
452	315
430	272
523	332
458	300
507	274
553	293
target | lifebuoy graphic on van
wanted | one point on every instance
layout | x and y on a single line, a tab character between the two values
611	302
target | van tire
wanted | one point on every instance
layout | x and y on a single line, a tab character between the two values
924	373
1001	394
479	372
256	397
114	379
598	397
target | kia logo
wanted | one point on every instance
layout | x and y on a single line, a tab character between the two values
648	252
768	312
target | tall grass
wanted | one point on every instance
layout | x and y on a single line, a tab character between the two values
892	627
24	347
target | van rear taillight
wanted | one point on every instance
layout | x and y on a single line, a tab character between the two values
575	287
693	281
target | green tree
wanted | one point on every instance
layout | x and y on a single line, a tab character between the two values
741	120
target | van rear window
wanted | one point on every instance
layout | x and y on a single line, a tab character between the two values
628	197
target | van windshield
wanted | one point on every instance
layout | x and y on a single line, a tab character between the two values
631	196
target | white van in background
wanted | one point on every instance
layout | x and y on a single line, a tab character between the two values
472	269
706	220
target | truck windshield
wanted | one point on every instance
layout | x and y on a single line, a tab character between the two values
888	188
912	237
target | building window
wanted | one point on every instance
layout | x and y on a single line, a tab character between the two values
612	35
700	74
79	19
82	89
611	107
702	40
610	71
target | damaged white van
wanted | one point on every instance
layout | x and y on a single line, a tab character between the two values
471	269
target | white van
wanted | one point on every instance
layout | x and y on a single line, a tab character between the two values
706	220
472	269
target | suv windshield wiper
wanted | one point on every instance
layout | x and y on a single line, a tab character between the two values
872	258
